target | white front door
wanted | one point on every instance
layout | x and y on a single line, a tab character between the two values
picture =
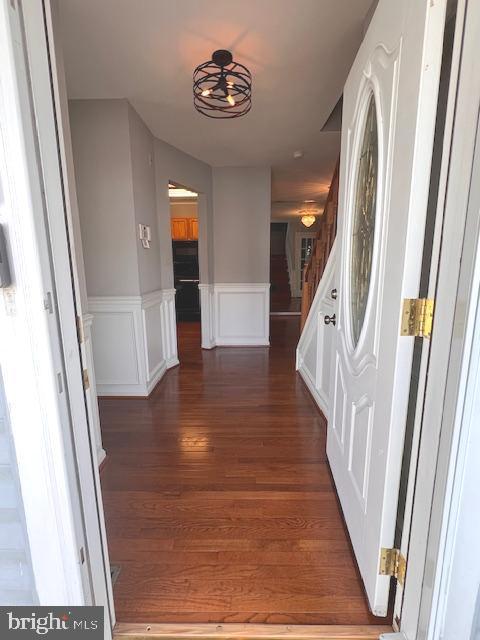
389	110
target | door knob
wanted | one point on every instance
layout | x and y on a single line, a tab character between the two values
330	320
333	294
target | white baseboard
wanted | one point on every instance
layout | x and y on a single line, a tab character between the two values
156	376
101	455
134	341
235	314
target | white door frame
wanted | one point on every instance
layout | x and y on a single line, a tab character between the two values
67	458
455	301
443	359
33	364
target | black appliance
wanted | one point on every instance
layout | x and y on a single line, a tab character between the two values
186	279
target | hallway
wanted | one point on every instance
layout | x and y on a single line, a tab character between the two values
218	499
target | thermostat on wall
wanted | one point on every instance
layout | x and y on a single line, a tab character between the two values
145	235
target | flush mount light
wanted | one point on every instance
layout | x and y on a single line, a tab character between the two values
308	220
222	88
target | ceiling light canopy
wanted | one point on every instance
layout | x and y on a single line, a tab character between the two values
222	88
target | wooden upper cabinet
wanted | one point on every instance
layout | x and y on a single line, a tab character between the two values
184	228
179	229
192	224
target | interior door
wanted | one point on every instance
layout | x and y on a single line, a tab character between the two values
389	108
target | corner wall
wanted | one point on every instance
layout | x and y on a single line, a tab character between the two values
115	175
103	172
171	164
122	175
239	301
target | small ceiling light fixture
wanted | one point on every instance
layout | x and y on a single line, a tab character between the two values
309	213
308	220
222	88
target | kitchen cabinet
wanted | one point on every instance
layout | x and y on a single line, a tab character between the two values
184	228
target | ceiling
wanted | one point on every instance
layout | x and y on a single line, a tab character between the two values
299	53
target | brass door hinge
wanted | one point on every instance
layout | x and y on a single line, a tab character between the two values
86	381
417	317
79	329
392	563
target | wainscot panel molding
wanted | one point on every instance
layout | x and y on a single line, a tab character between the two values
207	314
169	327
134	341
315	347
242	313
91	391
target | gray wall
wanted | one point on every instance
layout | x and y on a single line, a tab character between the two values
122	174
144	199
103	173
115	175
174	165
241	229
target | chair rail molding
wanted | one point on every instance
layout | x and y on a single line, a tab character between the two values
134	341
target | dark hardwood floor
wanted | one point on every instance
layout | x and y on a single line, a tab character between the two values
218	499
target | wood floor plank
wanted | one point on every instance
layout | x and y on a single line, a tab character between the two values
218	498
252	630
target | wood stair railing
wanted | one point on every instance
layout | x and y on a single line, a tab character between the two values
313	271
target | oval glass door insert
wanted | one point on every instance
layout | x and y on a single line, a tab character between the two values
363	223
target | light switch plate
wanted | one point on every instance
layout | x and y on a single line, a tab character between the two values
145	235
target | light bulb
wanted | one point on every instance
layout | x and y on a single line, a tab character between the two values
206	92
231	100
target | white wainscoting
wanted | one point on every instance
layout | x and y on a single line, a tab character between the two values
169	327
235	314
134	341
207	314
314	350
91	392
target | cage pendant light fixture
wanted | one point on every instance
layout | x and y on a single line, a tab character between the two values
222	88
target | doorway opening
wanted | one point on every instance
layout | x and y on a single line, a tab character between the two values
185	250
177	454
184	220
283	300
